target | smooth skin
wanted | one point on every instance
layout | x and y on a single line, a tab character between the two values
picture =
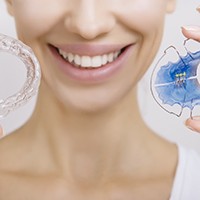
88	142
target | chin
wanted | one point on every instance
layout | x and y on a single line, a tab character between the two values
93	103
90	106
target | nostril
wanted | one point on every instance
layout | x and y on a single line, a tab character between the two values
89	28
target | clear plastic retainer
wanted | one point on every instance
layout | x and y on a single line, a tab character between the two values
31	85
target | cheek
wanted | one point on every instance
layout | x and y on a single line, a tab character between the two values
142	16
36	17
145	20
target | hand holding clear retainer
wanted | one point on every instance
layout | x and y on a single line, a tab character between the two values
30	87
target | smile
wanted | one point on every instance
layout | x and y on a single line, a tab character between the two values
91	63
88	61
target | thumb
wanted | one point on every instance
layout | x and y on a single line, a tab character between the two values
192	32
193	123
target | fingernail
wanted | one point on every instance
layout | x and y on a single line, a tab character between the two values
192	28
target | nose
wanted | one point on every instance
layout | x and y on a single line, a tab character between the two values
89	19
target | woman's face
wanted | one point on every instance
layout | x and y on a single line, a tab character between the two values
92	52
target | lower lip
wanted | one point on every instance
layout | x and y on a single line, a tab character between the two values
94	75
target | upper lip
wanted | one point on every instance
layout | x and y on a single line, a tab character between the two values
91	49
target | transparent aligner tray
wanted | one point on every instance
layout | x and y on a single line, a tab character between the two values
33	75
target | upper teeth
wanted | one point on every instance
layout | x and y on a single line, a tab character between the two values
87	61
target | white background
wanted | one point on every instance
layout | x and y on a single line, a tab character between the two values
169	126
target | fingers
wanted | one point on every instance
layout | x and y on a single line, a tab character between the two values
192	32
193	124
198	9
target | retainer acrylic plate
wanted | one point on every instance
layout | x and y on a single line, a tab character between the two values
33	75
175	85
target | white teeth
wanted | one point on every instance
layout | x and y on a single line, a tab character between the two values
86	61
64	54
111	57
89	62
96	61
116	54
70	57
104	59
77	60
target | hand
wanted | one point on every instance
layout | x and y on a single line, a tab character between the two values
193	32
193	124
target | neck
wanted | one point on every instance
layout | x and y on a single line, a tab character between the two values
93	144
